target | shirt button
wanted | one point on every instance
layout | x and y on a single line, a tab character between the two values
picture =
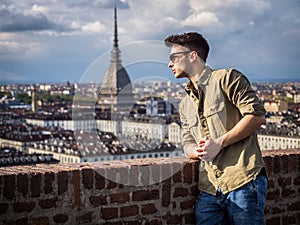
218	174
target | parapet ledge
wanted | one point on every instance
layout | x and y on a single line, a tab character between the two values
280	152
119	164
180	161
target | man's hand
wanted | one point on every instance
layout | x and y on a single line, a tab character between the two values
208	148
191	151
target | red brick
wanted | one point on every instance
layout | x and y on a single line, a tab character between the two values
98	200
293	163
109	213
36	183
289	219
99	181
111	175
174	219
287	193
131	210
119	197
145	195
188	173
86	218
297	180
76	189
49	178
277	164
155	171
145	175
273	221
166	171
273	195
153	222
134	176
20	207
180	192
22	221
298	218
111	184
284	164
195	191
177	177
196	171
60	218
124	176
177	168
8	222
166	193
189	219
283	182
269	165
62	179
87	178
48	203
23	184
3	208
148	209
276	210
294	206
271	183
40	221
9	186
189	204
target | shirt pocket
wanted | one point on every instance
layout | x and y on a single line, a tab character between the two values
193	126
216	117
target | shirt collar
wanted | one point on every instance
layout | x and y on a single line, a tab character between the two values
203	80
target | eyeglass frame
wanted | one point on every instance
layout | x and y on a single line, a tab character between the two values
173	55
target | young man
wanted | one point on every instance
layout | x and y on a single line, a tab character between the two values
220	115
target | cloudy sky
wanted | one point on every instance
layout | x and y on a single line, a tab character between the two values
57	41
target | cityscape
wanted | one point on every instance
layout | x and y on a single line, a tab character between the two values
39	123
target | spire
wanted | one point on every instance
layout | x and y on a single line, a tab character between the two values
115	53
116	30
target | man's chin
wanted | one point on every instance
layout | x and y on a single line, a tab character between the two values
177	76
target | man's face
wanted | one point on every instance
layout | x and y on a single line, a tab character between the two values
179	62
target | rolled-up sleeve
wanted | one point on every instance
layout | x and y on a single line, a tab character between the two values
239	91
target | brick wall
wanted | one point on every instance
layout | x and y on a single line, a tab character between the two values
148	191
283	197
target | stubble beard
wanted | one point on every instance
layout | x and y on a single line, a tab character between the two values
182	74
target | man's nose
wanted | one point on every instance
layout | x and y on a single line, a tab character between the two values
170	64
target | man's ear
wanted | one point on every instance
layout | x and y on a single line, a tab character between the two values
193	56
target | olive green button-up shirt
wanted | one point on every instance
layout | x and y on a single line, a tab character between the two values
226	97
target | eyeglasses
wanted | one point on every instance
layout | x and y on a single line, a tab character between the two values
174	56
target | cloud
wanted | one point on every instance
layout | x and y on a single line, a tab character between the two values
12	20
234	15
202	19
40	9
94	27
121	4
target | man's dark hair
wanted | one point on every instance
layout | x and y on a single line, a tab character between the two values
192	40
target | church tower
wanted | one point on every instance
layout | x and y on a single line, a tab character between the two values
116	88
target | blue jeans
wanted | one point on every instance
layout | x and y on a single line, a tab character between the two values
244	205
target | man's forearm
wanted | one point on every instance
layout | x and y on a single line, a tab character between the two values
245	127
